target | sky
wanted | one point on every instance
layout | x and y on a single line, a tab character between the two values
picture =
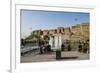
35	19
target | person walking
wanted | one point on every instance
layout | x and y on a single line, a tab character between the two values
80	47
69	47
62	47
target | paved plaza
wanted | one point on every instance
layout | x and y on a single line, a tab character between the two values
66	56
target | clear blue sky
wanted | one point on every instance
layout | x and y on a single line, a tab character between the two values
35	20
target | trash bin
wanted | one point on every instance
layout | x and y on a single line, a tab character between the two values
58	54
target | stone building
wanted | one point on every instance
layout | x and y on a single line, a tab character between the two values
74	34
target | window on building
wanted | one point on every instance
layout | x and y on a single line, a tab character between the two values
59	30
55	31
48	32
63	30
41	32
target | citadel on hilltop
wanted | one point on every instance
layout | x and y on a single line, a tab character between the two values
78	32
55	37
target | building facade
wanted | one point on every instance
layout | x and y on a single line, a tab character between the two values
62	35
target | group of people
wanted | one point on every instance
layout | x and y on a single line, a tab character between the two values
44	47
82	47
63	47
